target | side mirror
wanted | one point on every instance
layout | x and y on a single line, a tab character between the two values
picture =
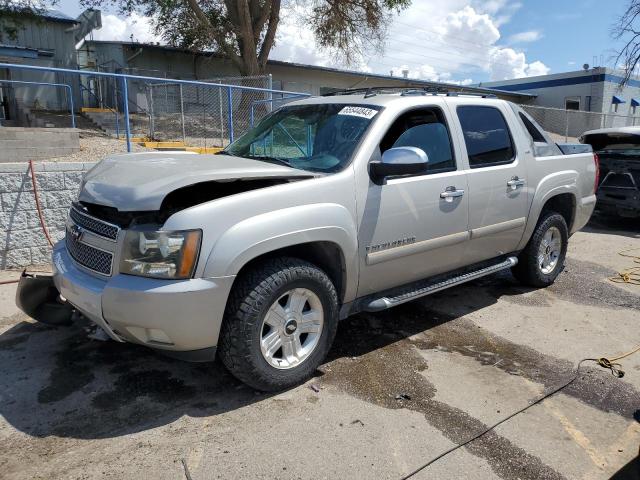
399	161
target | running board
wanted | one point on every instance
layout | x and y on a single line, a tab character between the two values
387	302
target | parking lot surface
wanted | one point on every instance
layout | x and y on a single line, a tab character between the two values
399	387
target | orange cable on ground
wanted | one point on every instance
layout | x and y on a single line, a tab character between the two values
629	275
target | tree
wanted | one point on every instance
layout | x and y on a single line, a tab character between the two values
245	30
627	29
13	13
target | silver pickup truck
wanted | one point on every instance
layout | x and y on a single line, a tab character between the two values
329	206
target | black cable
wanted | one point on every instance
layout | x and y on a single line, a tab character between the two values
505	419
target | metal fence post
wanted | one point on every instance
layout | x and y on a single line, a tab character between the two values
221	116
152	115
73	117
115	106
230	114
125	101
270	94
184	135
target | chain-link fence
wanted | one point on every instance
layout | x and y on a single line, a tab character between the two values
570	124
200	115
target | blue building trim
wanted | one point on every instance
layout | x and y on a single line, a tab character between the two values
18	52
559	82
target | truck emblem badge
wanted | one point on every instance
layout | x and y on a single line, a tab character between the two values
387	245
77	232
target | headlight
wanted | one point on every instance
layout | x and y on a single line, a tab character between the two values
159	254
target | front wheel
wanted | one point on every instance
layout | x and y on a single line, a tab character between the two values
542	260
279	324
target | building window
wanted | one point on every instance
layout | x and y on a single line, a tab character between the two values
572	103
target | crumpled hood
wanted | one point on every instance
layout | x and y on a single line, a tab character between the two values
140	181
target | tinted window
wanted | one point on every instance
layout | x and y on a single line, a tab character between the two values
531	128
486	136
424	129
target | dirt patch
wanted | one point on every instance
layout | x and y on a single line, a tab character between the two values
13	341
390	377
594	386
157	385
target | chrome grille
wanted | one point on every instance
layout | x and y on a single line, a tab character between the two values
90	257
94	225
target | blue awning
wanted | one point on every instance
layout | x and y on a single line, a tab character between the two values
616	100
635	102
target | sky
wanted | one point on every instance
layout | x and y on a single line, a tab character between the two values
459	41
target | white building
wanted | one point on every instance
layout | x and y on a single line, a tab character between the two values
591	90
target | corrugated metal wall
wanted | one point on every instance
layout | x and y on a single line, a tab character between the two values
54	37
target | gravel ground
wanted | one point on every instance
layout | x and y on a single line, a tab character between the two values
399	387
95	146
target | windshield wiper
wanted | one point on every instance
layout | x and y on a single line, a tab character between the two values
267	158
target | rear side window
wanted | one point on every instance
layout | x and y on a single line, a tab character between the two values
532	129
486	136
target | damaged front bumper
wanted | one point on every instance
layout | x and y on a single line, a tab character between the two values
180	317
38	297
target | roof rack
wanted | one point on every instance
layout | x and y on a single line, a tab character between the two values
405	91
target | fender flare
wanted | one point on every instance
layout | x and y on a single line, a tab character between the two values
264	233
550	186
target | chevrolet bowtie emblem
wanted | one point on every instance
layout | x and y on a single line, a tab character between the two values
76	232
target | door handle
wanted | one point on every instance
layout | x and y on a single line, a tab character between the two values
515	182
450	193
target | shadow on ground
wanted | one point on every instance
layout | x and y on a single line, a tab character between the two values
57	381
626	227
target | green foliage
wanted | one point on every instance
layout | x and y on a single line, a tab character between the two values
244	30
14	13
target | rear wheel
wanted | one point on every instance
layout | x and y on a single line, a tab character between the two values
279	325
542	260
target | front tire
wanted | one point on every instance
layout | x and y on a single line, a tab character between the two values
279	324
542	260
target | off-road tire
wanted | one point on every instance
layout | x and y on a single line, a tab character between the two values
251	297
528	270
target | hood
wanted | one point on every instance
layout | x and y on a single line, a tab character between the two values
141	181
624	137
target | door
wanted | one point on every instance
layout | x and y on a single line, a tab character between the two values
497	181
414	226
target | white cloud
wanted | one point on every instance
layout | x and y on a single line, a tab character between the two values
506	63
500	10
464	41
295	42
441	40
135	27
526	37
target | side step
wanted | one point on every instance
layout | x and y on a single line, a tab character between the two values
387	302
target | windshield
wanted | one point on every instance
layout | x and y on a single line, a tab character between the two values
320	137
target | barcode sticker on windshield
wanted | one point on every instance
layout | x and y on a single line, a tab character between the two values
363	112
